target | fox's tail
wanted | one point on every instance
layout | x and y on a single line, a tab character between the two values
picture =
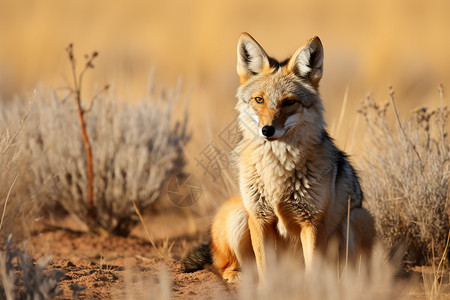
198	257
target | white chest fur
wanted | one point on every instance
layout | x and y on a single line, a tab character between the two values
275	172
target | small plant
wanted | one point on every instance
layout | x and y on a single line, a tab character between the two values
76	92
406	178
20	278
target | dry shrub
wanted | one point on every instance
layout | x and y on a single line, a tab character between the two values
14	211
21	278
135	148
406	178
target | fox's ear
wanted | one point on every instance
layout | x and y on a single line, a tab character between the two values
307	61
252	59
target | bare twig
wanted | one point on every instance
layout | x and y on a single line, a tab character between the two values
77	84
96	96
391	96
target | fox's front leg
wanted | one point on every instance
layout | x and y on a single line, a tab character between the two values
308	239
314	241
263	240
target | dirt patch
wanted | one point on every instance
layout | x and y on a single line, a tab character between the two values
113	267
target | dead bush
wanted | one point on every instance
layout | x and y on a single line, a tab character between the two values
135	148
406	174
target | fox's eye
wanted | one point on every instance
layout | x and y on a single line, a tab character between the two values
259	100
288	102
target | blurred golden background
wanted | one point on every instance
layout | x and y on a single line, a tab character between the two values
368	45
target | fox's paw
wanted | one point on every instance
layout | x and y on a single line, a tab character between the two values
231	275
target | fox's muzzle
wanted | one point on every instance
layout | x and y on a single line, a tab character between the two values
268	130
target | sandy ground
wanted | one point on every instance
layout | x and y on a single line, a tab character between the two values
112	267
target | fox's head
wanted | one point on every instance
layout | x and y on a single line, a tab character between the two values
280	100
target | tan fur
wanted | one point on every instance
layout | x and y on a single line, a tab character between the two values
295	185
223	247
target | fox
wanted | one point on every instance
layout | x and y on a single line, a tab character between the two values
296	186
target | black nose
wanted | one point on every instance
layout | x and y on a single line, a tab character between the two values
268	130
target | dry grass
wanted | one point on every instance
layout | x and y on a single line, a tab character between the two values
287	280
406	178
14	210
20	277
438	283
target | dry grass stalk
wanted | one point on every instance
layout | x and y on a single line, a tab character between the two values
6	200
